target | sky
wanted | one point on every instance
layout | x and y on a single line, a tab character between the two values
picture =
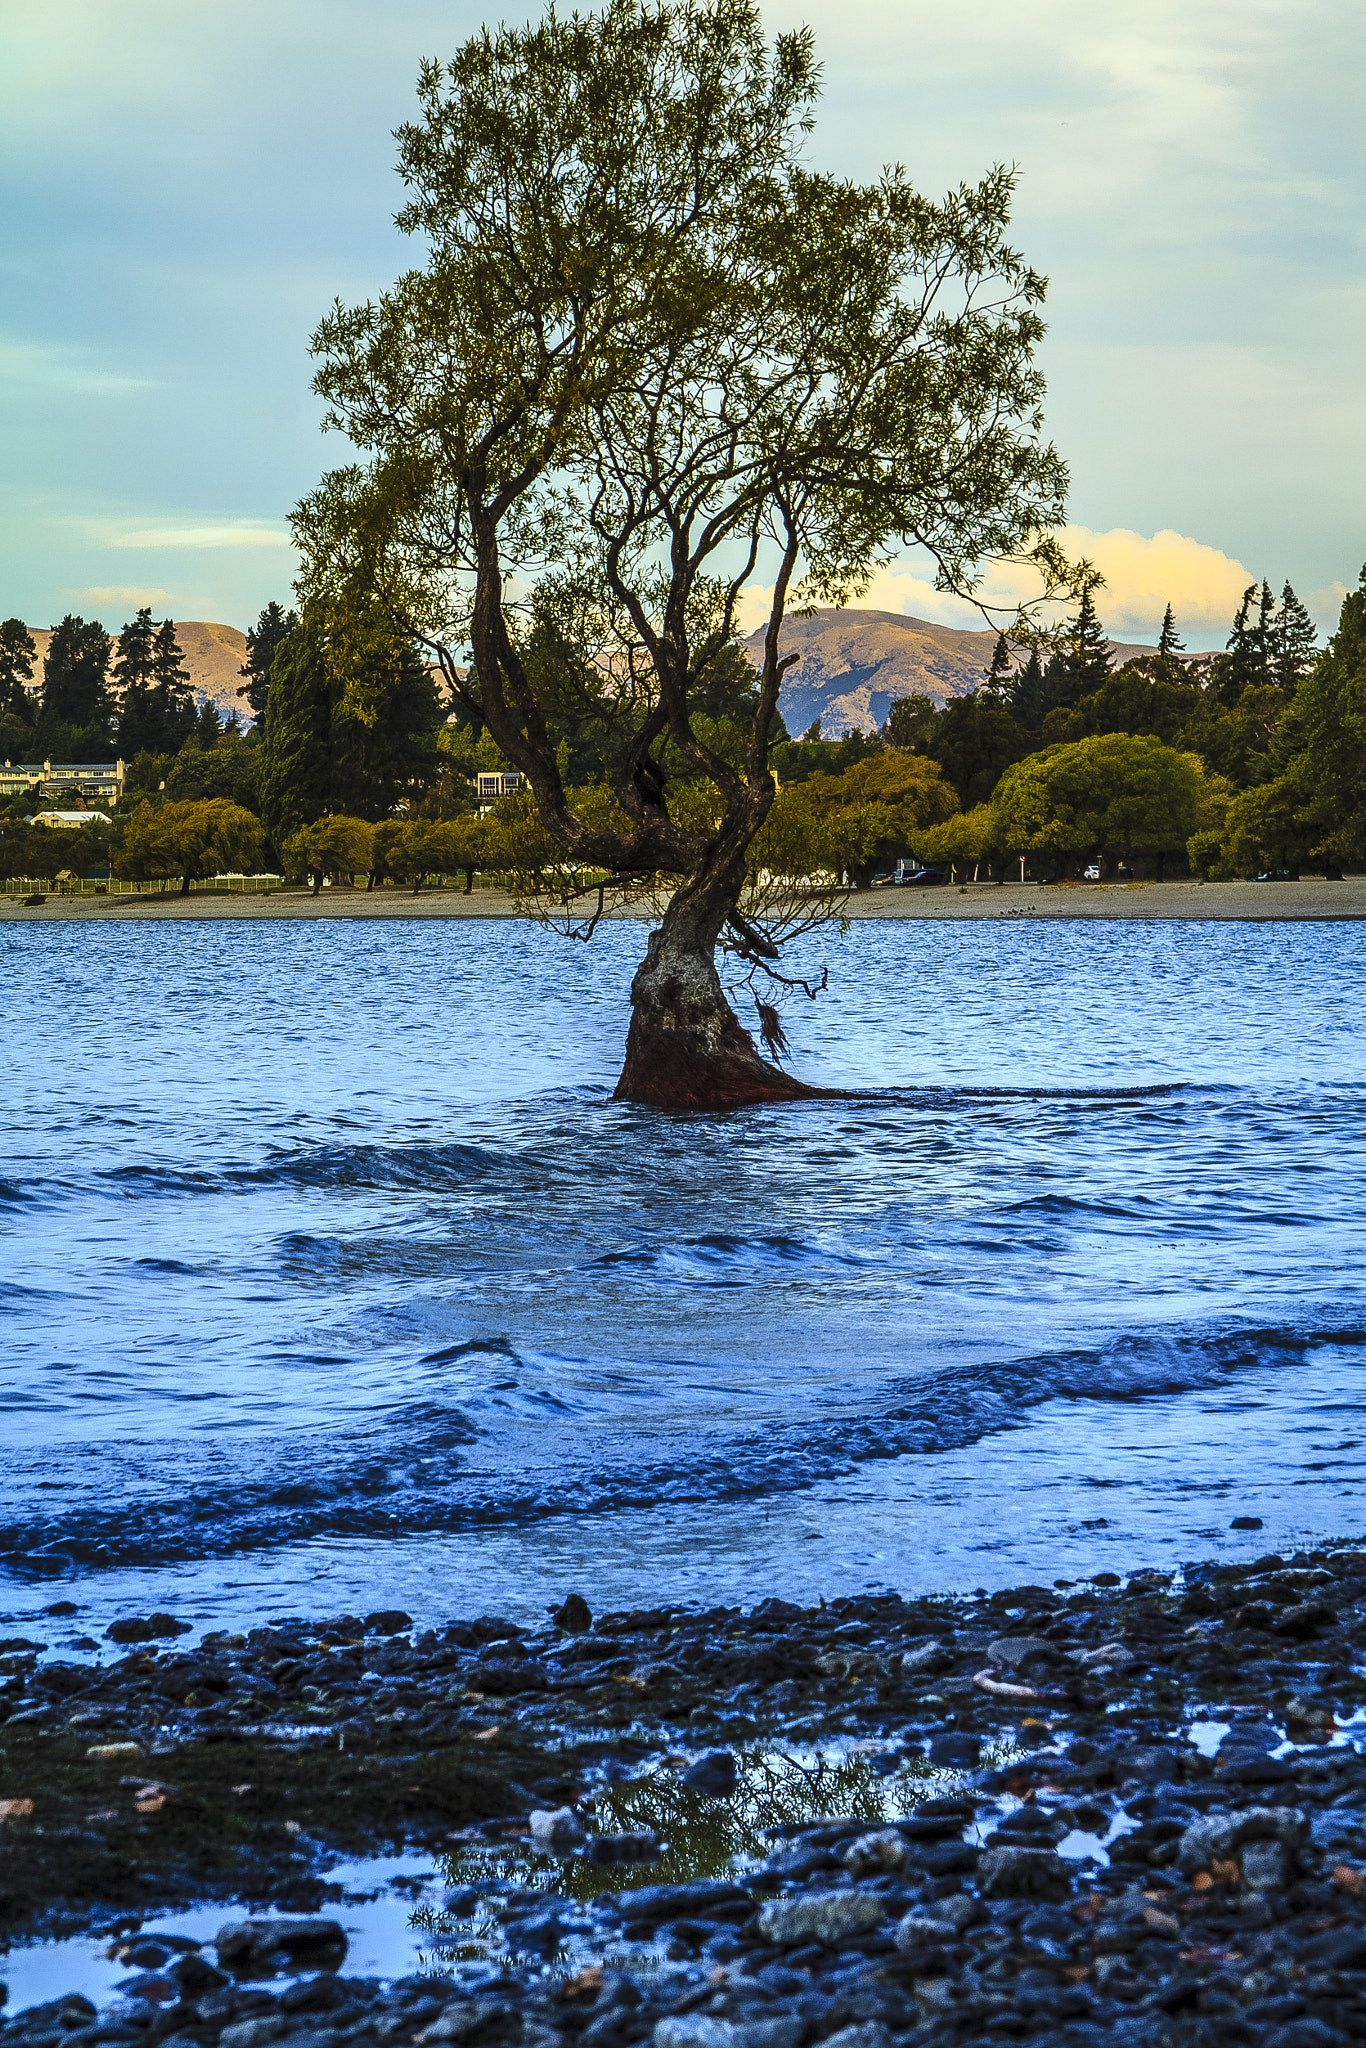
185	189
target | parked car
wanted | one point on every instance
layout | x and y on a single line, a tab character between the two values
884	881
1279	875
1091	873
923	878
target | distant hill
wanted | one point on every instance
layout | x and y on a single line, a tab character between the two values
853	664
213	655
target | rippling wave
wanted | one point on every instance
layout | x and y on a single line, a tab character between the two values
342	1241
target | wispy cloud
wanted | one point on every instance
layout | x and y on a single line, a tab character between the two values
185	533
119	593
1143	575
62	367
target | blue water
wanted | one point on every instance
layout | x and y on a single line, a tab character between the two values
332	1278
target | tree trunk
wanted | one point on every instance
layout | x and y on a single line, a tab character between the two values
686	1048
469	882
184	885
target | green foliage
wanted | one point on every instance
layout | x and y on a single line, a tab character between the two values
76	677
345	738
1083	663
333	845
43	851
229	768
874	812
1266	828
156	703
1145	697
646	342
1322	743
191	840
18	652
1115	794
264	642
798	760
974	739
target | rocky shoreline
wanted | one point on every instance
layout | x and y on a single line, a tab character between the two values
1101	1812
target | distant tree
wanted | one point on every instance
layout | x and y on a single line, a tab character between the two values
968	840
207	728
192	840
1294	643
1266	828
911	722
18	652
156	703
1147	696
1116	795
1029	699
296	750
974	739
230	769
76	676
873	811
264	642
172	687
1083	663
1243	665
813	731
1321	745
1169	641
999	668
330	846
320	751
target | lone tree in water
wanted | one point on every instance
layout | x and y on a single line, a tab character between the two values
653	359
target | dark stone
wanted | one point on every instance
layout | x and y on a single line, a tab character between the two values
1246	1522
167	1625
714	1775
575	1616
389	1621
131	1628
958	1750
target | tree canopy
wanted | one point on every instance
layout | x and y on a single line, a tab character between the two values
1114	794
649	354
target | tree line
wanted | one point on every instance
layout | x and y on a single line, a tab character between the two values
1229	762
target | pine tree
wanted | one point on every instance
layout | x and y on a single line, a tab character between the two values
296	747
999	671
1029	699
207	731
1264	633
1169	641
1084	665
76	676
1295	643
264	642
18	652
1238	668
173	689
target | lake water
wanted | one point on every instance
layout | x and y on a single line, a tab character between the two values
333	1280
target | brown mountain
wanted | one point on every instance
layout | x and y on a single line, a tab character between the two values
853	664
213	655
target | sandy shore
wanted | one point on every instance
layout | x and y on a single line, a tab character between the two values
1218	902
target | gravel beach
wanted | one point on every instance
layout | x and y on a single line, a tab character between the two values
1214	902
1097	1812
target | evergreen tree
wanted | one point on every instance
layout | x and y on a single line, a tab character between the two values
998	673
1029	699
296	750
1169	641
76	677
264	641
320	756
1241	665
173	688
1294	643
207	730
18	652
1084	663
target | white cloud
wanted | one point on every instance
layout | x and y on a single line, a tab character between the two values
1142	576
175	533
119	593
